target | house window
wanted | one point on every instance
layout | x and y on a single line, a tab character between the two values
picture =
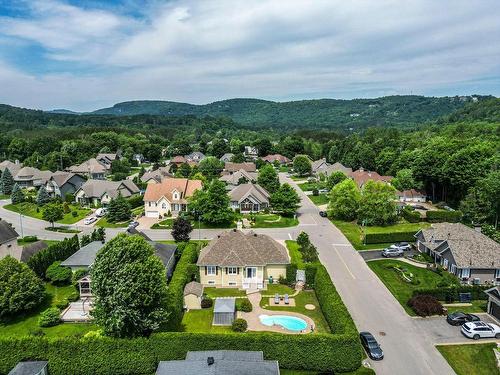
149	204
164	205
211	282
465	273
497	273
232	283
211	270
232	270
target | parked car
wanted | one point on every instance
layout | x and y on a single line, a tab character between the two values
458	318
89	220
405	246
323	214
371	346
419	207
477	330
323	191
100	212
133	224
392	252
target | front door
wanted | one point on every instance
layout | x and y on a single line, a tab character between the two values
251	272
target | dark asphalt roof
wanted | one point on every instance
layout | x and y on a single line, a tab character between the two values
31	249
85	256
7	233
164	251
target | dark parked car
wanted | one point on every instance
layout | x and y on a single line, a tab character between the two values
458	318
323	214
371	346
133	224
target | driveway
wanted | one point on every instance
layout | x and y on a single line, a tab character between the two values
376	254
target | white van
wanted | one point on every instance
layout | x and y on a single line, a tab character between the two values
100	212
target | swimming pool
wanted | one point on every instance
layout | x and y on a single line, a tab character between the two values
288	322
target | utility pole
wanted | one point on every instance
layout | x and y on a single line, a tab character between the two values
21	221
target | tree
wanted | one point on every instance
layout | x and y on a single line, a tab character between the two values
268	178
238	158
482	203
344	200
181	228
334	179
42	197
219	147
129	285
285	200
184	170
20	289
303	239
211	167
302	165
404	180
264	146
53	212
212	203
377	205
17	195
119	210
6	182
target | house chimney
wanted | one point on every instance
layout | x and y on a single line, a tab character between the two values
210	361
477	228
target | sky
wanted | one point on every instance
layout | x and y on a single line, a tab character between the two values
85	55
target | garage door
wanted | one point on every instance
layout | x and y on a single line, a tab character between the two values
495	310
152	214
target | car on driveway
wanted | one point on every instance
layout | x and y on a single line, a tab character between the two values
323	214
458	318
133	224
89	220
405	246
477	330
390	252
371	346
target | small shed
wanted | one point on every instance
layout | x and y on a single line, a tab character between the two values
193	293
224	311
30	368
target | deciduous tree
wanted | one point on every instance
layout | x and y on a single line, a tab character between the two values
344	200
268	178
285	200
302	165
181	229
377	205
53	212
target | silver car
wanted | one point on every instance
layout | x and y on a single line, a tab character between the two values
392	252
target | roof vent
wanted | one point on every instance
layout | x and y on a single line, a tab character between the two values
255	234
234	230
218	236
210	361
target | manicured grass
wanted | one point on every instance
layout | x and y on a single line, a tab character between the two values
302	299
27	323
201	321
164	224
295	255
319	200
471	359
281	289
3	196
202	225
274	221
401	289
224	292
309	186
476	307
62	229
30	209
103	222
399	227
138	211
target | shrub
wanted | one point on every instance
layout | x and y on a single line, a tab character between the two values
444	216
58	274
206	302
315	192
310	274
452	293
61	305
30	238
49	317
74	213
410	214
426	305
136	201
291	274
239	325
74	296
77	275
58	251
243	304
371	238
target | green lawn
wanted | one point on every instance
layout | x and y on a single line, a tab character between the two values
399	227
309	186
3	196
401	289
476	306
319	200
27	323
274	221
164	224
360	371
30	209
103	222
295	255
471	359
224	292
302	299
201	321
281	289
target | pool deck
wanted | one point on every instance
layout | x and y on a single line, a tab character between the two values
254	323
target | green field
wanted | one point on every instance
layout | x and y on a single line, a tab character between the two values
103	222
309	186
30	209
201	321
274	221
360	371
164	224
319	200
471	359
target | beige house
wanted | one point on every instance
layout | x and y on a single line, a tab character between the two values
193	293
249	198
245	261
169	196
8	241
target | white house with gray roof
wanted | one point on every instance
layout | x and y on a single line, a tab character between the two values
463	251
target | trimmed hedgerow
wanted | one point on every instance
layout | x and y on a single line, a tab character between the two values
441	216
58	251
371	238
452	293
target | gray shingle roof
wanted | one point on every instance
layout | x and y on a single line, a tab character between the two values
97	188
31	249
7	233
469	248
242	191
193	288
225	305
234	178
164	251
234	248
28	368
85	256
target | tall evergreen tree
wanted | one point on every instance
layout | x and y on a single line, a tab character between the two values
6	182
42	197
17	195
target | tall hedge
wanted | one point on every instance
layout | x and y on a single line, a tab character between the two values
184	273
390	237
441	216
56	252
450	294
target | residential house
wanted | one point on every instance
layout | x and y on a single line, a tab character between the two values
62	183
178	160
195	156
30	368
8	241
467	253
226	157
193	293
493	307
412	195
28	250
100	192
251	152
361	177
249	198
318	166
231	167
321	166
107	159
12	167
239	177
139	158
283	160
28	177
156	176
246	261
91	168
169	196
220	362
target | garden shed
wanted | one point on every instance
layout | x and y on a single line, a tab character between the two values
224	311
193	293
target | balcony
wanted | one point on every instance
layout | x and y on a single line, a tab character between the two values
253	283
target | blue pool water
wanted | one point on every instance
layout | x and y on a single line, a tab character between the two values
288	322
